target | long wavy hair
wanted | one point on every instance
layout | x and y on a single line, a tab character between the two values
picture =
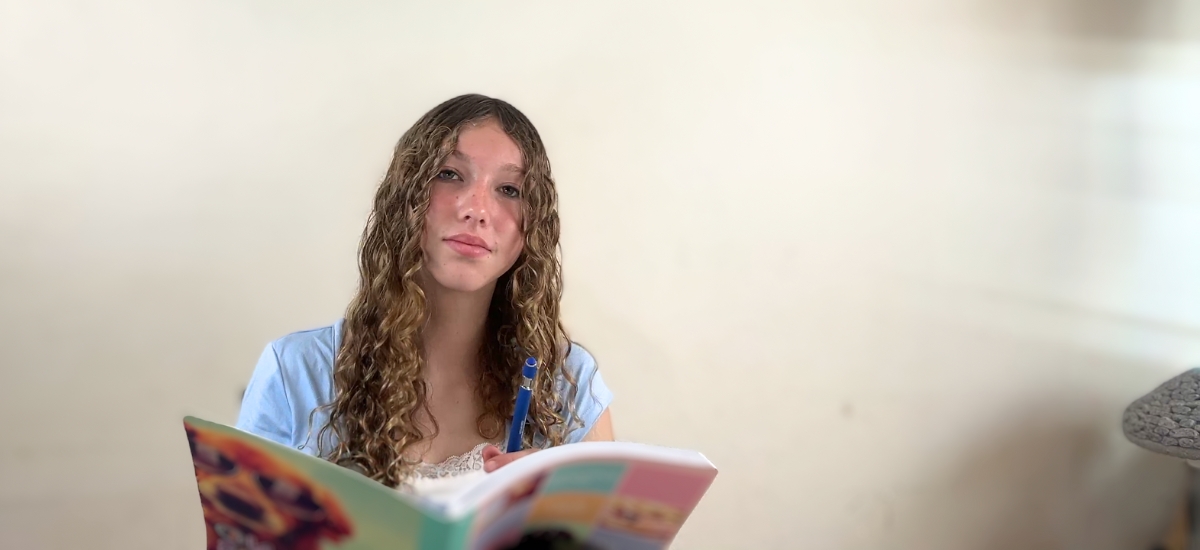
379	389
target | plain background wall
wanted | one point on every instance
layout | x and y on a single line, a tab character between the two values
895	267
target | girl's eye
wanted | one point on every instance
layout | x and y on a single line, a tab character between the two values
511	192
448	175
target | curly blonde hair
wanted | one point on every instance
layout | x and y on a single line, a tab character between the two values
377	371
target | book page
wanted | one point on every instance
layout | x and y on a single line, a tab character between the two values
638	501
458	503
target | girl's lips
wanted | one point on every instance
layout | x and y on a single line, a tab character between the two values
467	249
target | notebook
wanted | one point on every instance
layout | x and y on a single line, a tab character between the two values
261	495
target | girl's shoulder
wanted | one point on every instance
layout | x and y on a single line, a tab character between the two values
293	377
592	395
313	348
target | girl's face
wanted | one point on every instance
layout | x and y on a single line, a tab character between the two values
473	226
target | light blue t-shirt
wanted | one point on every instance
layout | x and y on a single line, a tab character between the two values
294	376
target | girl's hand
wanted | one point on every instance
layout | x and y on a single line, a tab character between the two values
494	458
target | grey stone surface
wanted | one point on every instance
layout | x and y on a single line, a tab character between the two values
1165	420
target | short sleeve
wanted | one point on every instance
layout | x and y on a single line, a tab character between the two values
592	396
265	410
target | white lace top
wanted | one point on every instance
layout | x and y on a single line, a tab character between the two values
447	475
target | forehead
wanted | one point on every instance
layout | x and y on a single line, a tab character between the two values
486	146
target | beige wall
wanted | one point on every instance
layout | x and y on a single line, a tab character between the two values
895	267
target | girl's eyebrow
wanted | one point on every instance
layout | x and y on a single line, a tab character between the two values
513	168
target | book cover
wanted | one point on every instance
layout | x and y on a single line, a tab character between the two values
257	494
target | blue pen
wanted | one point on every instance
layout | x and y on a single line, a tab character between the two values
516	430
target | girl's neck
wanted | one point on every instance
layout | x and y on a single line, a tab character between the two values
454	332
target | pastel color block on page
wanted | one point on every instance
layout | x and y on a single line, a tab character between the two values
434	534
567	507
588	478
679	488
642	517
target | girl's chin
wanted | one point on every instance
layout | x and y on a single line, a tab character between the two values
468	283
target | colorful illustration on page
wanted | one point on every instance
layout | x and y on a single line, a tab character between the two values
252	501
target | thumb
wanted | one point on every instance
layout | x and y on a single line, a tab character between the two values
500	460
490	452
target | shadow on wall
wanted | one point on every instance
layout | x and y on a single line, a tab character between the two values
1054	480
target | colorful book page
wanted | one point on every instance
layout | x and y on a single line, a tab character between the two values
607	504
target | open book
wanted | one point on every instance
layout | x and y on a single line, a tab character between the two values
257	494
